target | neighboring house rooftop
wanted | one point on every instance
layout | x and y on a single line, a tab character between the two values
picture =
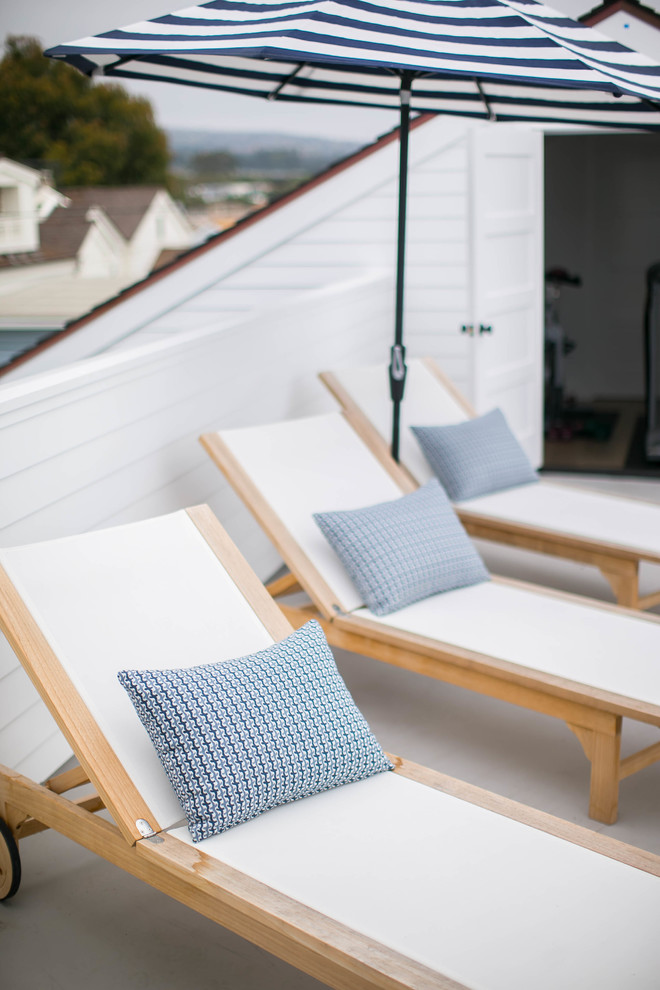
66	254
29	318
61	236
125	205
628	22
60	299
63	233
163	268
632	7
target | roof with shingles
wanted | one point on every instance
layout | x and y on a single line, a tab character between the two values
62	233
125	205
60	237
603	10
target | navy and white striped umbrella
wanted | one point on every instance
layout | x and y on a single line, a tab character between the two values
491	59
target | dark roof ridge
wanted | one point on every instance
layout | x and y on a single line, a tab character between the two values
603	10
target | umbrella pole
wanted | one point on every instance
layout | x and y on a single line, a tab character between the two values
398	351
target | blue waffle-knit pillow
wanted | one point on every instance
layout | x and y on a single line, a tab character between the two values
399	552
240	737
475	457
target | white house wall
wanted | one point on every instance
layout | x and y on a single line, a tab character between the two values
22	204
163	226
102	252
114	439
19	229
344	225
357	232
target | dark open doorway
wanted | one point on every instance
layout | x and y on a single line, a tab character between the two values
602	234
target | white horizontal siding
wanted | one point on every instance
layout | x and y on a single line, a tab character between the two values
33	734
114	439
346	223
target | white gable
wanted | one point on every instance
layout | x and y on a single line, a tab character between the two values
25	200
630	30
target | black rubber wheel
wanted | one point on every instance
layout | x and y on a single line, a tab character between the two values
10	863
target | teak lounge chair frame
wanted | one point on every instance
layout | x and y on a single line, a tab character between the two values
592	714
330	951
618	564
311	942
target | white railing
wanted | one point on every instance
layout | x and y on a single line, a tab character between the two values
114	439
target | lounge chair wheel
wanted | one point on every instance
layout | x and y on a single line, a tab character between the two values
10	863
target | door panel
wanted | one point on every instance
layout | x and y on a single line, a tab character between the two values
507	278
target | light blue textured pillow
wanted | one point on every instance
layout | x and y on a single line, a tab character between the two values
240	737
399	552
476	457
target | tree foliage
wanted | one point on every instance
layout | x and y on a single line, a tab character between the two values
55	117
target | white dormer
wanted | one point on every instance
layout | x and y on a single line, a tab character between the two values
628	22
26	198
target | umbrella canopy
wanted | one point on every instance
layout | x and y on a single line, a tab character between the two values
491	59
484	58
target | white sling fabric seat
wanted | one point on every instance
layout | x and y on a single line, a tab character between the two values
554	645
572	522
406	879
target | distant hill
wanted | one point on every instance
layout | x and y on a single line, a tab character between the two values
312	153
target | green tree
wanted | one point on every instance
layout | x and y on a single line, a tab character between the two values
89	134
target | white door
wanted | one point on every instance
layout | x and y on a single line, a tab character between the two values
507	278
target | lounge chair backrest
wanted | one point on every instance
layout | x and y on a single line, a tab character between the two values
337	472
430	399
146	595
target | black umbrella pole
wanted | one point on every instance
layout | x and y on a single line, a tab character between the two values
398	352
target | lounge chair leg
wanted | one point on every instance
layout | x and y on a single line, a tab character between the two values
603	749
624	581
10	862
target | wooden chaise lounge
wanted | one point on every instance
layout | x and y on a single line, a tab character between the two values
585	662
613	533
406	879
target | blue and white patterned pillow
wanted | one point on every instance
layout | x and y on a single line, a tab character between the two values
240	737
476	457
399	552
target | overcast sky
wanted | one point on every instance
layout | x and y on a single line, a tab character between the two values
57	21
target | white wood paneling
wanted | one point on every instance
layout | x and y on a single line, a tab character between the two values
358	232
114	439
346	222
507	280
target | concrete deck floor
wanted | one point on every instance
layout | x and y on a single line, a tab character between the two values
78	922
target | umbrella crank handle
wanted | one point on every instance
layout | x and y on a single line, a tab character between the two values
398	371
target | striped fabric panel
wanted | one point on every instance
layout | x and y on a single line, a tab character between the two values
510	58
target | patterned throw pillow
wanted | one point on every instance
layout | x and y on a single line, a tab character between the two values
475	457
398	552
240	737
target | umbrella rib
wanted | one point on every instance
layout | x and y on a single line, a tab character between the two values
484	99
278	89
